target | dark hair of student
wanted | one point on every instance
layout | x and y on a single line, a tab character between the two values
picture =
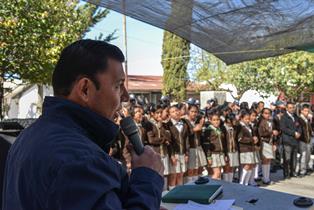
191	106
211	115
230	118
174	106
244	105
244	113
180	105
254	105
163	106
154	108
132	109
261	117
253	111
83	58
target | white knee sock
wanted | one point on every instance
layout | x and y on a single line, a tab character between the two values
264	171
256	171
171	187
247	178
251	179
243	176
189	179
185	179
165	183
230	177
225	177
268	172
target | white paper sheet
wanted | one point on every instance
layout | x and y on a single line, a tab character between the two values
217	205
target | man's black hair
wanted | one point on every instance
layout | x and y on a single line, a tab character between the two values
290	103
83	58
305	106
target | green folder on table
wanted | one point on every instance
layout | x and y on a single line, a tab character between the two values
204	194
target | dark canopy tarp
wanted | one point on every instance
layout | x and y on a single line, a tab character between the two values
233	30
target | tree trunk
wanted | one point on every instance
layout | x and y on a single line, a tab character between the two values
40	99
1	95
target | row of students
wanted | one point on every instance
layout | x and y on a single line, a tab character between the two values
222	143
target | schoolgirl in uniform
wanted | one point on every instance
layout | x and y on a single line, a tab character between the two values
159	139
214	143
255	171
197	159
179	146
232	148
246	147
266	132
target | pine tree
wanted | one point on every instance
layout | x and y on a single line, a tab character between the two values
175	59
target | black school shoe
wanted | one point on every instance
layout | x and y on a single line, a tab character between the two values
294	175
258	179
301	175
267	183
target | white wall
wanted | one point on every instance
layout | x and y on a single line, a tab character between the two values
13	108
249	96
25	105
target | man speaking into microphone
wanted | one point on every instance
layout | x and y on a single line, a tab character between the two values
61	162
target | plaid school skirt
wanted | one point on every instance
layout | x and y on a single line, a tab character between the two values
248	157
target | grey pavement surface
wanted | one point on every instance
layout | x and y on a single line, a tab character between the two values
296	186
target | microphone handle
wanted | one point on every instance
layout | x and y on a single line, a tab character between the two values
137	144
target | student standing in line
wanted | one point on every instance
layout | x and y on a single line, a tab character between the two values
246	147
266	133
255	171
214	143
232	149
305	140
179	146
197	159
159	139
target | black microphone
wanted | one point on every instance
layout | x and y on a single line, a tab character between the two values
130	129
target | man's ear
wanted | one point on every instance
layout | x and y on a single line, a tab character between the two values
83	89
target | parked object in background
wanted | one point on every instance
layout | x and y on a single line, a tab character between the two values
9	130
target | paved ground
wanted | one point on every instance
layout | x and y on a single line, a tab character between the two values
297	186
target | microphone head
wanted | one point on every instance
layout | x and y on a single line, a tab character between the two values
130	129
128	126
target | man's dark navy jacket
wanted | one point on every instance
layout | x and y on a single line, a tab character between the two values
60	163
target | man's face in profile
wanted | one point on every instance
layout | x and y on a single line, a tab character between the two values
291	108
107	100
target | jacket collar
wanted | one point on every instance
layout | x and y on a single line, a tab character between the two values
304	118
100	130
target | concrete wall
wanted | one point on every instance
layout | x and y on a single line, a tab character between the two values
24	105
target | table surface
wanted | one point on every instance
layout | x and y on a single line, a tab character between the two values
267	199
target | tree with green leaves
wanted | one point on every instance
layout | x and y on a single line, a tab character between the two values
33	33
208	68
292	74
205	67
175	59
